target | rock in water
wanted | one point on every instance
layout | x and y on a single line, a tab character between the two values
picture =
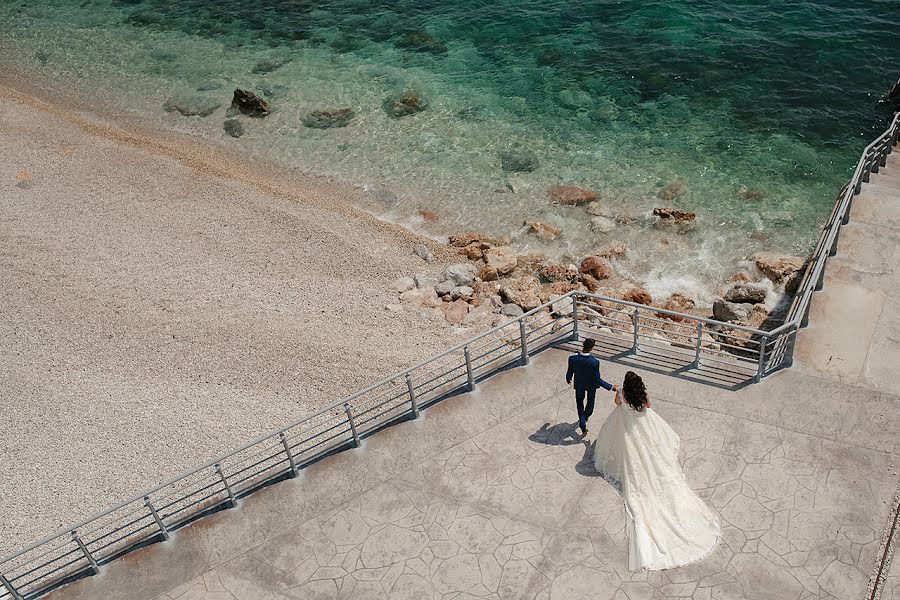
545	231
405	104
727	311
422	41
267	65
326	119
777	268
596	267
519	161
571	195
602	224
191	106
638	295
233	127
673	190
250	104
672	214
746	294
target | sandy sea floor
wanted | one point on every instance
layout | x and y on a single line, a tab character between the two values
161	303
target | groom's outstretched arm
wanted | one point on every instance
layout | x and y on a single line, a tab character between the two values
603	383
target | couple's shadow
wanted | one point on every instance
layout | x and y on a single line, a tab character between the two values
567	434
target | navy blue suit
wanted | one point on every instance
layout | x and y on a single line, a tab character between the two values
585	369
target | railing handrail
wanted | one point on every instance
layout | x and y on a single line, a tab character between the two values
815	266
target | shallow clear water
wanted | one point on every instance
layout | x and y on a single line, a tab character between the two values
622	97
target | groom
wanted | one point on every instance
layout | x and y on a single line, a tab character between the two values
586	371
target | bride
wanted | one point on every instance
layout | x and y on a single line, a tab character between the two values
636	451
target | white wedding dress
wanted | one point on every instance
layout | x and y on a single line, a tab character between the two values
668	524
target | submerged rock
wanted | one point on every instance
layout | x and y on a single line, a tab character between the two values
602	224
673	190
326	119
749	194
571	195
545	231
191	106
672	214
250	104
233	127
267	65
519	161
405	104
422	41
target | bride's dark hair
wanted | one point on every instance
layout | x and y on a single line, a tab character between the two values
634	391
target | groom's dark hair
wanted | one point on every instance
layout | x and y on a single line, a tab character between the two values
588	345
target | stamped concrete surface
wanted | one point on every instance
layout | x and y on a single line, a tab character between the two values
493	495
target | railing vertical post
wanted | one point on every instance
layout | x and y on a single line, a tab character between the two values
290	455
820	282
412	397
9	588
87	554
523	341
699	344
470	375
885	150
876	159
636	320
762	358
224	479
575	334
834	245
352	424
163	530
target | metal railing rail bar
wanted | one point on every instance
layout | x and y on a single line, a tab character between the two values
764	351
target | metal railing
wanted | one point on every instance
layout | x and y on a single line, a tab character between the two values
634	329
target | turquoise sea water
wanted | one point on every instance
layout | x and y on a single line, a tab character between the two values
759	109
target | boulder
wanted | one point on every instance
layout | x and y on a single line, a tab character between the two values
677	303
614	249
673	190
511	310
444	287
602	224
561	307
558	288
740	277
456	312
422	251
727	311
250	104
473	252
777	268
503	259
267	65
596	267
403	284
750	195
522	291
479	313
638	295
545	231
571	195
460	274
327	119
461	240
483	292
531	262
423	297
556	272
519	161
233	127
672	214
424	280
488	273
462	291
422	41
191	105
589	282
746	294
405	104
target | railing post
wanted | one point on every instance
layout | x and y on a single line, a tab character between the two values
523	341
163	530
221	473
834	245
867	168
9	588
635	320
699	342
762	358
87	554
352	424
820	282
575	333
884	152
470	375
290	455
876	160
412	397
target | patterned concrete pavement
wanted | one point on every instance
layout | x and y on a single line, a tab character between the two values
475	500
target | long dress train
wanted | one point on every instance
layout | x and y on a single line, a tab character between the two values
668	524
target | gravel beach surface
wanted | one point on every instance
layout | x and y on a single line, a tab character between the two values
161	303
